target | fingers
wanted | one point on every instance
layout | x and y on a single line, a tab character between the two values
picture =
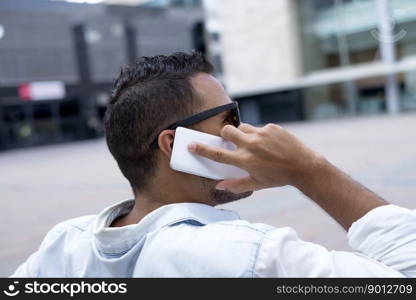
237	186
234	135
217	154
247	128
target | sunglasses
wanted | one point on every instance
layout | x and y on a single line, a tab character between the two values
234	115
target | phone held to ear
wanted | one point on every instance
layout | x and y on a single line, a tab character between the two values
185	161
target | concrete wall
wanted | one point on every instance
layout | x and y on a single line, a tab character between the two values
260	43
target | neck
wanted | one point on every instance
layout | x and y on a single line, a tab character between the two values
153	198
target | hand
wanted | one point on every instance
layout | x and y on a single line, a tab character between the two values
271	155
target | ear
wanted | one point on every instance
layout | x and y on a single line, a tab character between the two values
165	140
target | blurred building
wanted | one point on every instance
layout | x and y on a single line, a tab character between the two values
58	61
282	60
303	59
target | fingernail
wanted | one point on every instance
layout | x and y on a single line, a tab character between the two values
192	147
220	188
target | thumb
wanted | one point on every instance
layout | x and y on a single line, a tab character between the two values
236	186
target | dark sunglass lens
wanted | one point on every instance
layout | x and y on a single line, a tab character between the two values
236	117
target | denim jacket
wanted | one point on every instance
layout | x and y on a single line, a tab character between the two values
198	240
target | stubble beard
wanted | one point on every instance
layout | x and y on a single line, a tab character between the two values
221	197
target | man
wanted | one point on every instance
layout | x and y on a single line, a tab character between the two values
172	229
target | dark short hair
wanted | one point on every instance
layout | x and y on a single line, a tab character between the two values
148	95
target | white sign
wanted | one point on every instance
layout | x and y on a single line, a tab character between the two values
43	90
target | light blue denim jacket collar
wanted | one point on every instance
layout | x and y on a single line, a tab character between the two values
120	239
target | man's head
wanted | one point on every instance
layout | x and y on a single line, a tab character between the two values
149	95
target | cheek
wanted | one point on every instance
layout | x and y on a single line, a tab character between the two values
211	126
214	129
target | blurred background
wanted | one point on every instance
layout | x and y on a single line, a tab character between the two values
340	74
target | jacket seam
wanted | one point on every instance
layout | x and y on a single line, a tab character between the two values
253	272
248	227
79	228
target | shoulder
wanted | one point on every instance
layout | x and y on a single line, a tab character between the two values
219	249
70	226
48	260
238	230
226	230
80	223
229	231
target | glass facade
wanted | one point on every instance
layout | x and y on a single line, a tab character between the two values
337	32
343	33
173	3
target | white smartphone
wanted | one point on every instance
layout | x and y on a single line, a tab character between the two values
185	161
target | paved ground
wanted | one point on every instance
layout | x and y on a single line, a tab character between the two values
43	186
